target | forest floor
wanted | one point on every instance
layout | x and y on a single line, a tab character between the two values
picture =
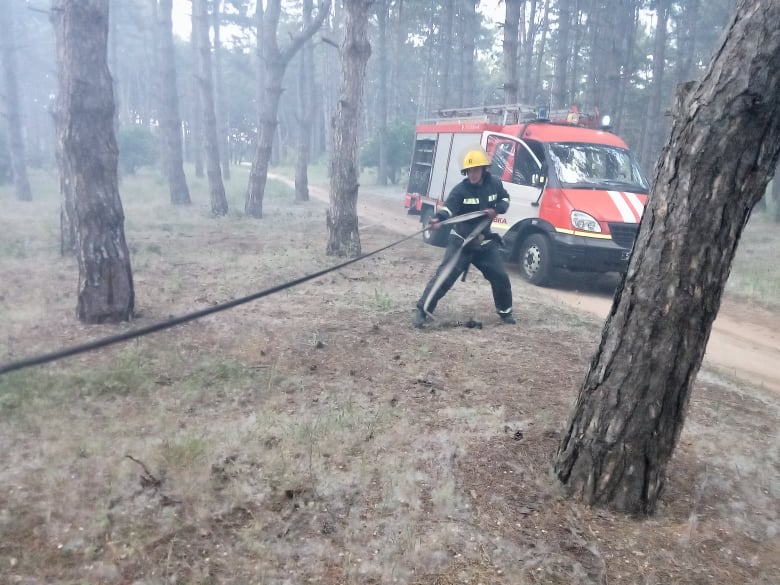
314	436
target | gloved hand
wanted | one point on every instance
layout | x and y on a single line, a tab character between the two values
491	213
435	221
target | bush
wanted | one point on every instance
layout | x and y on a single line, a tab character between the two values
6	170
137	148
399	150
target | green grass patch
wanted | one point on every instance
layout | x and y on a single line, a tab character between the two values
755	273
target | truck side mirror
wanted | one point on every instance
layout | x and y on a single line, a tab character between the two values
540	178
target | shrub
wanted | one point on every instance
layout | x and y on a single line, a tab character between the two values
399	150
6	171
137	148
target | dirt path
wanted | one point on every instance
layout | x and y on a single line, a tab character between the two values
744	343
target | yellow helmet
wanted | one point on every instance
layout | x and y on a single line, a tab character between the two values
474	158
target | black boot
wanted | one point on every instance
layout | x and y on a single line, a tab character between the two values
420	318
507	318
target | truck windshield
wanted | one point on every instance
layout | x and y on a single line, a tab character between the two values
596	166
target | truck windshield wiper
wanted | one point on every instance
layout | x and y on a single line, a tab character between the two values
625	185
583	185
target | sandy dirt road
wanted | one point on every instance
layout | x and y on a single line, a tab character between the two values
745	341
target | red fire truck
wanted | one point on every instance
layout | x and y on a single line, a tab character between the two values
577	192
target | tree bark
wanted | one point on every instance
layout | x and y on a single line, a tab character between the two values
276	61
540	55
13	110
170	120
776	195
219	204
87	143
687	33
305	110
196	124
382	14
511	27
471	30
219	91
562	54
724	145
655	121
529	92
342	220
446	48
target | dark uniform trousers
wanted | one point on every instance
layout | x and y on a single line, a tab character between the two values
487	259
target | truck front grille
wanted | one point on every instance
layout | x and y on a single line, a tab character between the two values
623	234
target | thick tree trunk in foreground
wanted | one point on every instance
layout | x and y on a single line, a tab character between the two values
170	120
13	111
343	236
776	196
200	18
87	146
724	145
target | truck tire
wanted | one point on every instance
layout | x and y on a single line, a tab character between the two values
427	235
535	259
434	237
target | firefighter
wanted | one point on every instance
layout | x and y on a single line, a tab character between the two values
479	191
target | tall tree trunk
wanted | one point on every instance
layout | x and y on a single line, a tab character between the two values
305	110
511	28
382	8
13	110
113	57
200	17
196	142
656	123
595	65
87	143
276	61
632	404
446	48
342	220
68	238
687	32
219	91
170	120
615	33
471	30
396	72
529	92
776	195
632	24
545	27
562	55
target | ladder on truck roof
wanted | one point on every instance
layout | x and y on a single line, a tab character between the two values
502	114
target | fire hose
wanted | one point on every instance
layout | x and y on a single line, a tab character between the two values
447	269
142	331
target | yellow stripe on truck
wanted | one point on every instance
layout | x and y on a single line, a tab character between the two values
583	234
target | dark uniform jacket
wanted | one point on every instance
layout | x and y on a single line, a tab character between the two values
466	198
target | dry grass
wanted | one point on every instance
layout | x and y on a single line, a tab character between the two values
315	437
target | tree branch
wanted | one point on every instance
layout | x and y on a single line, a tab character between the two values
307	33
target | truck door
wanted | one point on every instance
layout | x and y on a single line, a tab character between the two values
516	165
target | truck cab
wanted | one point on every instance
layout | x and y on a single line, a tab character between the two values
577	193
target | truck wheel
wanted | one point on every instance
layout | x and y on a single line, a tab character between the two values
427	215
535	259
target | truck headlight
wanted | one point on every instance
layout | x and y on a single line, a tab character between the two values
584	222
